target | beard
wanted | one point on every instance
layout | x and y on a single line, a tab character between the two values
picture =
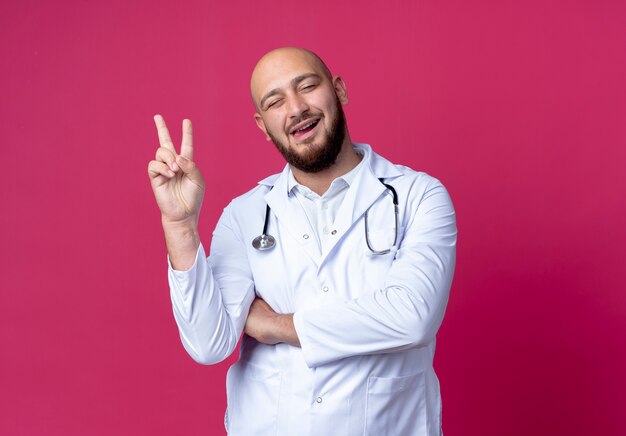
316	158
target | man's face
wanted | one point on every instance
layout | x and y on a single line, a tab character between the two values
299	109
322	147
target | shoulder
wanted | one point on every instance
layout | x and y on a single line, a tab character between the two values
420	191
417	191
251	200
417	180
404	176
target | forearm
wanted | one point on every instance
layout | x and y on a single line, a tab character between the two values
212	298
391	319
182	241
209	323
206	330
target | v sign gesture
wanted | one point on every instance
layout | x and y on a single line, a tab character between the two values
178	188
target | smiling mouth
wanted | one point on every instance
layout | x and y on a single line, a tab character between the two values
305	129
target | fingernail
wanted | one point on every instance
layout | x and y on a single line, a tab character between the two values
174	166
170	173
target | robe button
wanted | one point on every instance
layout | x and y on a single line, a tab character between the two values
305	236
334	232
319	399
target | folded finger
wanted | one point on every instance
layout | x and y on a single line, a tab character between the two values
191	171
164	135
156	168
164	154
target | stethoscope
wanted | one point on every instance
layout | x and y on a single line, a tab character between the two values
266	242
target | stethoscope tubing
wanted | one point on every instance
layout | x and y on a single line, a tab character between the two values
395	217
265	241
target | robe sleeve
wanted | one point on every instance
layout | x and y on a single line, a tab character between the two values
407	312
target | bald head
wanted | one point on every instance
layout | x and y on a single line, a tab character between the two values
280	64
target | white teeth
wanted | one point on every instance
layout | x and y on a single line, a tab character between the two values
306	126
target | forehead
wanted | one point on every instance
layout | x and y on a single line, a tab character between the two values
276	70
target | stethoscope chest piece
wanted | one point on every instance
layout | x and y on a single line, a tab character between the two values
264	242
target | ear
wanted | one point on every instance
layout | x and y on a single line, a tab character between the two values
340	90
261	125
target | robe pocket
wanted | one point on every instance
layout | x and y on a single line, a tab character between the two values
396	405
253	393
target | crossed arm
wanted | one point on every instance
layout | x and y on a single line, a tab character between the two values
218	296
406	313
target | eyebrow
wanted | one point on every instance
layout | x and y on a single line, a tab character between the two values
294	82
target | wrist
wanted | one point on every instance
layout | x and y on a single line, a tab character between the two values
190	222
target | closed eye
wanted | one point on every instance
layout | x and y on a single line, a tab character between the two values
274	103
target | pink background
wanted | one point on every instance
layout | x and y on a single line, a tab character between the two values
519	107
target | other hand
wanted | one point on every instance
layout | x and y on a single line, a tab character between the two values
269	327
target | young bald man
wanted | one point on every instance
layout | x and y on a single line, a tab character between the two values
340	297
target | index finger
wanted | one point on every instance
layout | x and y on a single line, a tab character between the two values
164	134
186	148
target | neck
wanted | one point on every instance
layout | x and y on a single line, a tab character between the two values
320	182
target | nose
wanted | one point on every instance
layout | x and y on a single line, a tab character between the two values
296	106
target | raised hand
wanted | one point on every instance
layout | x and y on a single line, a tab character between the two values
178	188
176	181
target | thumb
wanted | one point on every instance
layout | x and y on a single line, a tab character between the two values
190	169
